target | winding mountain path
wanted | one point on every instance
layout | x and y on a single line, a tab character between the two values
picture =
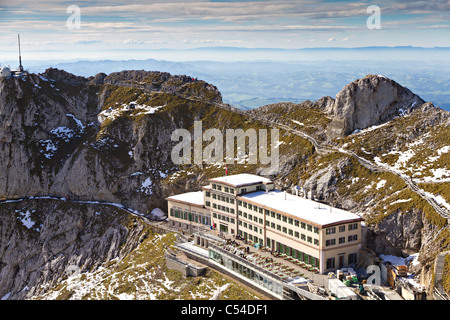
443	212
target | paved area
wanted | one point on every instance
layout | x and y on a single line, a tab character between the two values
281	265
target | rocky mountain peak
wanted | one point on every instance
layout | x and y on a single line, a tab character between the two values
370	101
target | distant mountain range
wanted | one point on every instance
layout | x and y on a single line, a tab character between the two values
252	77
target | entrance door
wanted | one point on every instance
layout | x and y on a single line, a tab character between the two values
341	261
223	228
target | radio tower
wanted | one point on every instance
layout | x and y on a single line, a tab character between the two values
20	57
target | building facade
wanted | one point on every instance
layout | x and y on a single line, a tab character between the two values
248	205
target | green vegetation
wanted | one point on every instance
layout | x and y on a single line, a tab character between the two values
116	96
142	274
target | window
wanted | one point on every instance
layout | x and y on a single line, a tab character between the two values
214	186
352	258
208	204
309	227
309	240
330	230
353	226
284	230
225	189
208	194
214	206
278	216
330	242
296	234
219	188
272	214
284	219
250	206
243	190
290	221
303	225
290	232
214	196
352	238
316	230
232	190
341	240
341	228
296	223
330	263
316	242
303	237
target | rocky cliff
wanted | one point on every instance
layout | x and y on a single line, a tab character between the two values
369	101
44	241
108	138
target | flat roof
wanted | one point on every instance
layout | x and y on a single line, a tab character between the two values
315	212
243	179
193	198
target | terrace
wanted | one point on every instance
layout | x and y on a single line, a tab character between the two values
278	265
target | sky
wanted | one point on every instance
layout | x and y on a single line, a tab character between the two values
100	29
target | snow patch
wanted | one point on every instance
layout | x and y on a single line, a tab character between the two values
26	218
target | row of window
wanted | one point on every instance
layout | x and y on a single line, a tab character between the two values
250	226
278	216
257	277
250	217
332	230
341	240
249	236
218	187
285	230
223	218
294	253
190	216
222	198
351	261
222	208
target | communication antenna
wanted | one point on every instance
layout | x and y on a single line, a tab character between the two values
20	56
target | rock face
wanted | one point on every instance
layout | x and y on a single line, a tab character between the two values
52	142
108	138
43	241
369	101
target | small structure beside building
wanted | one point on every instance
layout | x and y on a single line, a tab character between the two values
7	72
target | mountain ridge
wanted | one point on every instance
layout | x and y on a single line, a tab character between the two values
54	143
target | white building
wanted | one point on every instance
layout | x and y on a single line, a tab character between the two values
248	205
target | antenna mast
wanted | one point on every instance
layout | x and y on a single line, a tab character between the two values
20	56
